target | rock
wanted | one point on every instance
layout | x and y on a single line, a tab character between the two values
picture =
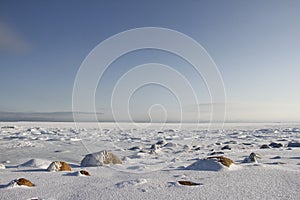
252	158
59	166
293	144
275	145
218	143
231	142
189	183
197	149
225	161
186	147
226	147
2	166
24	182
207	165
282	140
171	130
276	157
154	147
216	152
161	142
278	163
170	144
264	146
8	127
84	172
99	159
135	148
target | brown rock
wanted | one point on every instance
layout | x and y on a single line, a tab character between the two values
188	183
59	166
23	181
225	161
84	172
65	166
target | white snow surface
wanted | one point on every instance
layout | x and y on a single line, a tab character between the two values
27	149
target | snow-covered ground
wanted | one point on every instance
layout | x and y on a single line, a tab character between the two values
154	159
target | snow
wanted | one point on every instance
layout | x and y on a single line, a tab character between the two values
206	165
36	163
27	149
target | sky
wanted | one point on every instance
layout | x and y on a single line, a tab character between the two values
255	45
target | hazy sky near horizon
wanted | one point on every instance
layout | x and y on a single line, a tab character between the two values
255	44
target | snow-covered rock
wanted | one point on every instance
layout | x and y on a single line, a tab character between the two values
206	165
36	163
215	163
2	166
99	159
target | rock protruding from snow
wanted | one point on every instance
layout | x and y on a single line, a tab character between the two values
189	183
84	173
226	147
36	163
170	145
59	166
252	158
215	163
99	159
264	146
275	145
161	142
227	162
20	182
293	144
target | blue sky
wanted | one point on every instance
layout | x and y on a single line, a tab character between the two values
255	44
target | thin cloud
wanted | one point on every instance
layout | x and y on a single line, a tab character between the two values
11	41
47	116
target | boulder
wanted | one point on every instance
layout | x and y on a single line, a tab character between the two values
275	145
99	159
59	166
264	146
293	144
23	182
